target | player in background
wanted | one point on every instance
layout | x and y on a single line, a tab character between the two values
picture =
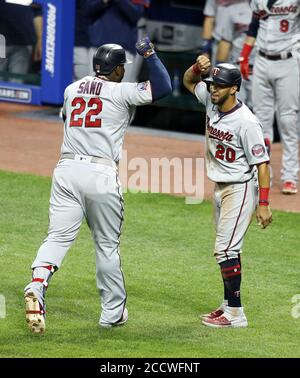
211	20
212	26
234	148
117	22
236	19
97	110
22	27
274	28
81	61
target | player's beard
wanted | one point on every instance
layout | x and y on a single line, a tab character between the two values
220	99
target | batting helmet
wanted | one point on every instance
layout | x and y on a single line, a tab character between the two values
108	57
227	74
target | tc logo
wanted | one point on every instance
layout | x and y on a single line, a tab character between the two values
2	47
296	309
216	71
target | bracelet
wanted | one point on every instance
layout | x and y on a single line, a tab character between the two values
263	203
196	70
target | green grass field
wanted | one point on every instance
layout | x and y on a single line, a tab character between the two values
171	277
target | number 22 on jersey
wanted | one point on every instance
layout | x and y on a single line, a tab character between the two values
79	104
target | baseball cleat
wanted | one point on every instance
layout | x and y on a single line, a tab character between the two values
289	187
213	314
232	318
119	323
35	314
216	313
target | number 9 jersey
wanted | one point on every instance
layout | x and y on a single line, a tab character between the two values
234	141
278	25
97	113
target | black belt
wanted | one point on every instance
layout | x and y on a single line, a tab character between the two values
285	55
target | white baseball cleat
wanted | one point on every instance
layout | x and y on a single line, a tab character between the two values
35	313
233	317
122	321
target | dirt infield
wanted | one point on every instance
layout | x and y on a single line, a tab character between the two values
32	145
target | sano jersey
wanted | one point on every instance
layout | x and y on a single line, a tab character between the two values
97	114
278	25
234	141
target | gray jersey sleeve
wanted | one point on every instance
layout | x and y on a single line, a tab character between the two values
210	8
254	145
201	93
133	94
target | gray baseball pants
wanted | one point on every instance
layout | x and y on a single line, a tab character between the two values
82	189
276	86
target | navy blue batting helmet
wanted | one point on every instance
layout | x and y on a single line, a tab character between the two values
226	74
108	57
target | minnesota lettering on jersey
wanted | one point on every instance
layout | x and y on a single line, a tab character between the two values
216	133
277	10
284	9
90	87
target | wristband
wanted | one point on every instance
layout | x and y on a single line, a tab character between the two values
264	196
207	46
196	70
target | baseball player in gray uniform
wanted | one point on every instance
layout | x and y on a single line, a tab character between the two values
213	25
234	148
97	110
275	28
235	20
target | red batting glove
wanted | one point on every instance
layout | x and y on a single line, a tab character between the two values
244	67
244	61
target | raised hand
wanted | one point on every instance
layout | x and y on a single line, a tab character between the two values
145	47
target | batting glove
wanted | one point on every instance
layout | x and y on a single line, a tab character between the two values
145	47
244	68
244	61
